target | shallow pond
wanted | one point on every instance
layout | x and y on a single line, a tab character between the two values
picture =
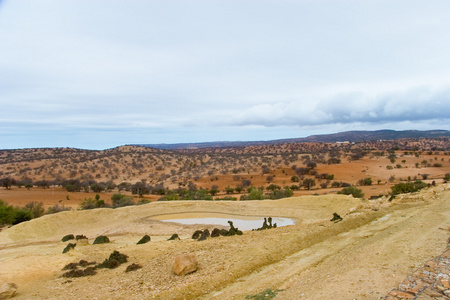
241	222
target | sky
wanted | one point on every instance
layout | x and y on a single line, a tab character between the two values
97	74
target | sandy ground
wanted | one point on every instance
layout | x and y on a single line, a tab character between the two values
362	257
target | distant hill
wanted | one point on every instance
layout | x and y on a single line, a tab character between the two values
347	136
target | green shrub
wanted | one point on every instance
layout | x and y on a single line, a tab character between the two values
101	239
365	181
174	237
254	194
10	215
407	187
120	200
69	247
145	239
90	203
352	190
267	294
68	237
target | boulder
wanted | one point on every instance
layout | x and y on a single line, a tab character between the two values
8	290
184	264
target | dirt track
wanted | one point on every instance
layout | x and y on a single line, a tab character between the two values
363	257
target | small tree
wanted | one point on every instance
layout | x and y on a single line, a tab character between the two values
309	183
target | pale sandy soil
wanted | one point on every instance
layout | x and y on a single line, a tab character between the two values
362	257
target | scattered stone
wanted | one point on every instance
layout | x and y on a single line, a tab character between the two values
69	247
8	290
102	239
68	238
184	264
145	239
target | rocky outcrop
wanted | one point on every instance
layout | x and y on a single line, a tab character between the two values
184	264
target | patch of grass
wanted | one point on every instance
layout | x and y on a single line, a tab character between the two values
115	259
89	271
267	294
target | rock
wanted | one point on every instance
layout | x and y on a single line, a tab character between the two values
8	290
184	264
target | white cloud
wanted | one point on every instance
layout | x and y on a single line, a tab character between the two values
194	66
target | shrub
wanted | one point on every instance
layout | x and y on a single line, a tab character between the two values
351	190
57	208
12	216
68	237
36	208
447	177
80	236
120	200
407	187
145	239
133	267
115	259
21	215
365	181
254	194
90	271
174	237
69	246
90	203
101	239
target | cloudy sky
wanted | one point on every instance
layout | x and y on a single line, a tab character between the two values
97	74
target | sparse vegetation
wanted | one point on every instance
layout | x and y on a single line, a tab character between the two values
352	190
408	187
115	259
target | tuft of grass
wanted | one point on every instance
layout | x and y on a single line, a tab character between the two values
69	247
101	239
267	294
133	267
115	259
68	237
145	239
